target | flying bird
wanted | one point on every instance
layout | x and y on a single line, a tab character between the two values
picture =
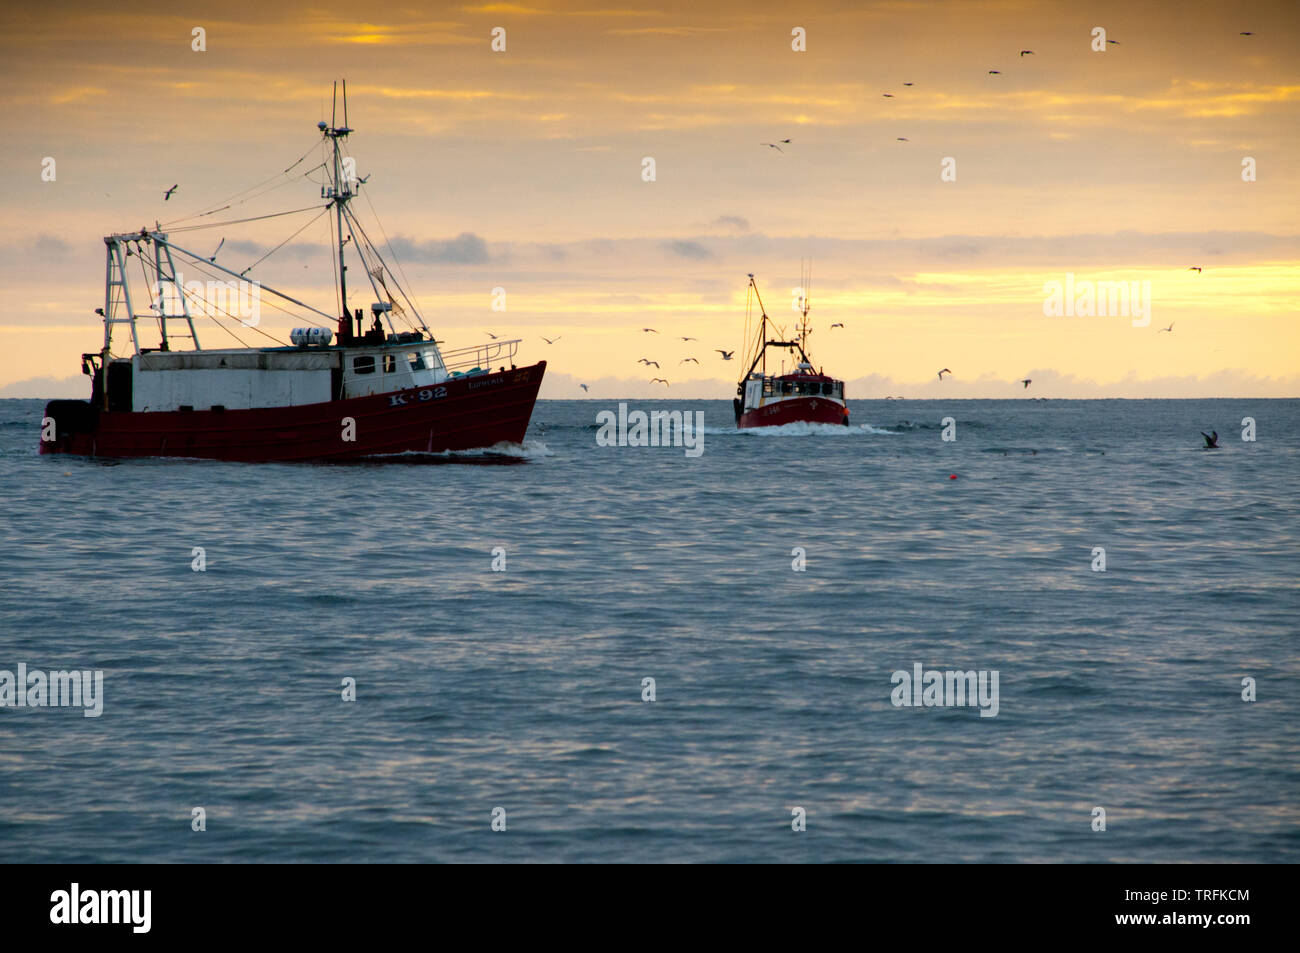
688	359
1026	381
903	139
647	363
168	196
1113	42
837	325
491	335
660	380
1195	268
690	339
726	355
944	371
583	386
214	254
1026	52
888	95
1246	33
772	145
648	330
549	340
909	84
995	72
1170	328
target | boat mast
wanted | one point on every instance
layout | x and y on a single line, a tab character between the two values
762	326
805	294
339	192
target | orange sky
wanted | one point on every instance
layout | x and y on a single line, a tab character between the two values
522	169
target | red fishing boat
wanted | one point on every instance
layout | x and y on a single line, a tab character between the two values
804	395
369	393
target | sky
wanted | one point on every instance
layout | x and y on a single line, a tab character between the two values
524	169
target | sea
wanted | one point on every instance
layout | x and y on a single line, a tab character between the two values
569	652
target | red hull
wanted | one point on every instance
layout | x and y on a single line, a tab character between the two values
809	410
459	414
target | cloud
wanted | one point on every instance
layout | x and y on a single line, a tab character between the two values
684	249
465	249
48	388
730	221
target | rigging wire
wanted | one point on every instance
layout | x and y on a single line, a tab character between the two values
203	311
313	221
208	209
240	221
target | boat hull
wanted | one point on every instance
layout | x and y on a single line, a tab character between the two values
459	414
810	410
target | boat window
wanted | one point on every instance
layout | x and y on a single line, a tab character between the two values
364	364
416	360
785	387
828	388
390	363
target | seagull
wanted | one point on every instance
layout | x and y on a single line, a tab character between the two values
1026	381
837	325
903	139
214	254
888	95
1195	268
660	380
647	363
583	386
168	196
1246	33
995	72
1170	328
944	371
549	340
648	330
1026	52
726	355
690	339
1113	42
909	84
772	145
686	359
491	335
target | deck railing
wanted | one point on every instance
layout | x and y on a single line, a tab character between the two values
485	356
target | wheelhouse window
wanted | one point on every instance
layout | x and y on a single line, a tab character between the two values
416	360
390	363
364	364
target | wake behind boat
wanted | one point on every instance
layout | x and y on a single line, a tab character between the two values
803	395
373	391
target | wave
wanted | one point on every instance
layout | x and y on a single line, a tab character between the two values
802	428
498	453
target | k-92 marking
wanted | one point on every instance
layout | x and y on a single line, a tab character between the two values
428	393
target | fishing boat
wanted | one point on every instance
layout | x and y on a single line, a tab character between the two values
337	390
804	394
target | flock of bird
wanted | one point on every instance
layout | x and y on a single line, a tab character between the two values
728	355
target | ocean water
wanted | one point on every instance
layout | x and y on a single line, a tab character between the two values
522	689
